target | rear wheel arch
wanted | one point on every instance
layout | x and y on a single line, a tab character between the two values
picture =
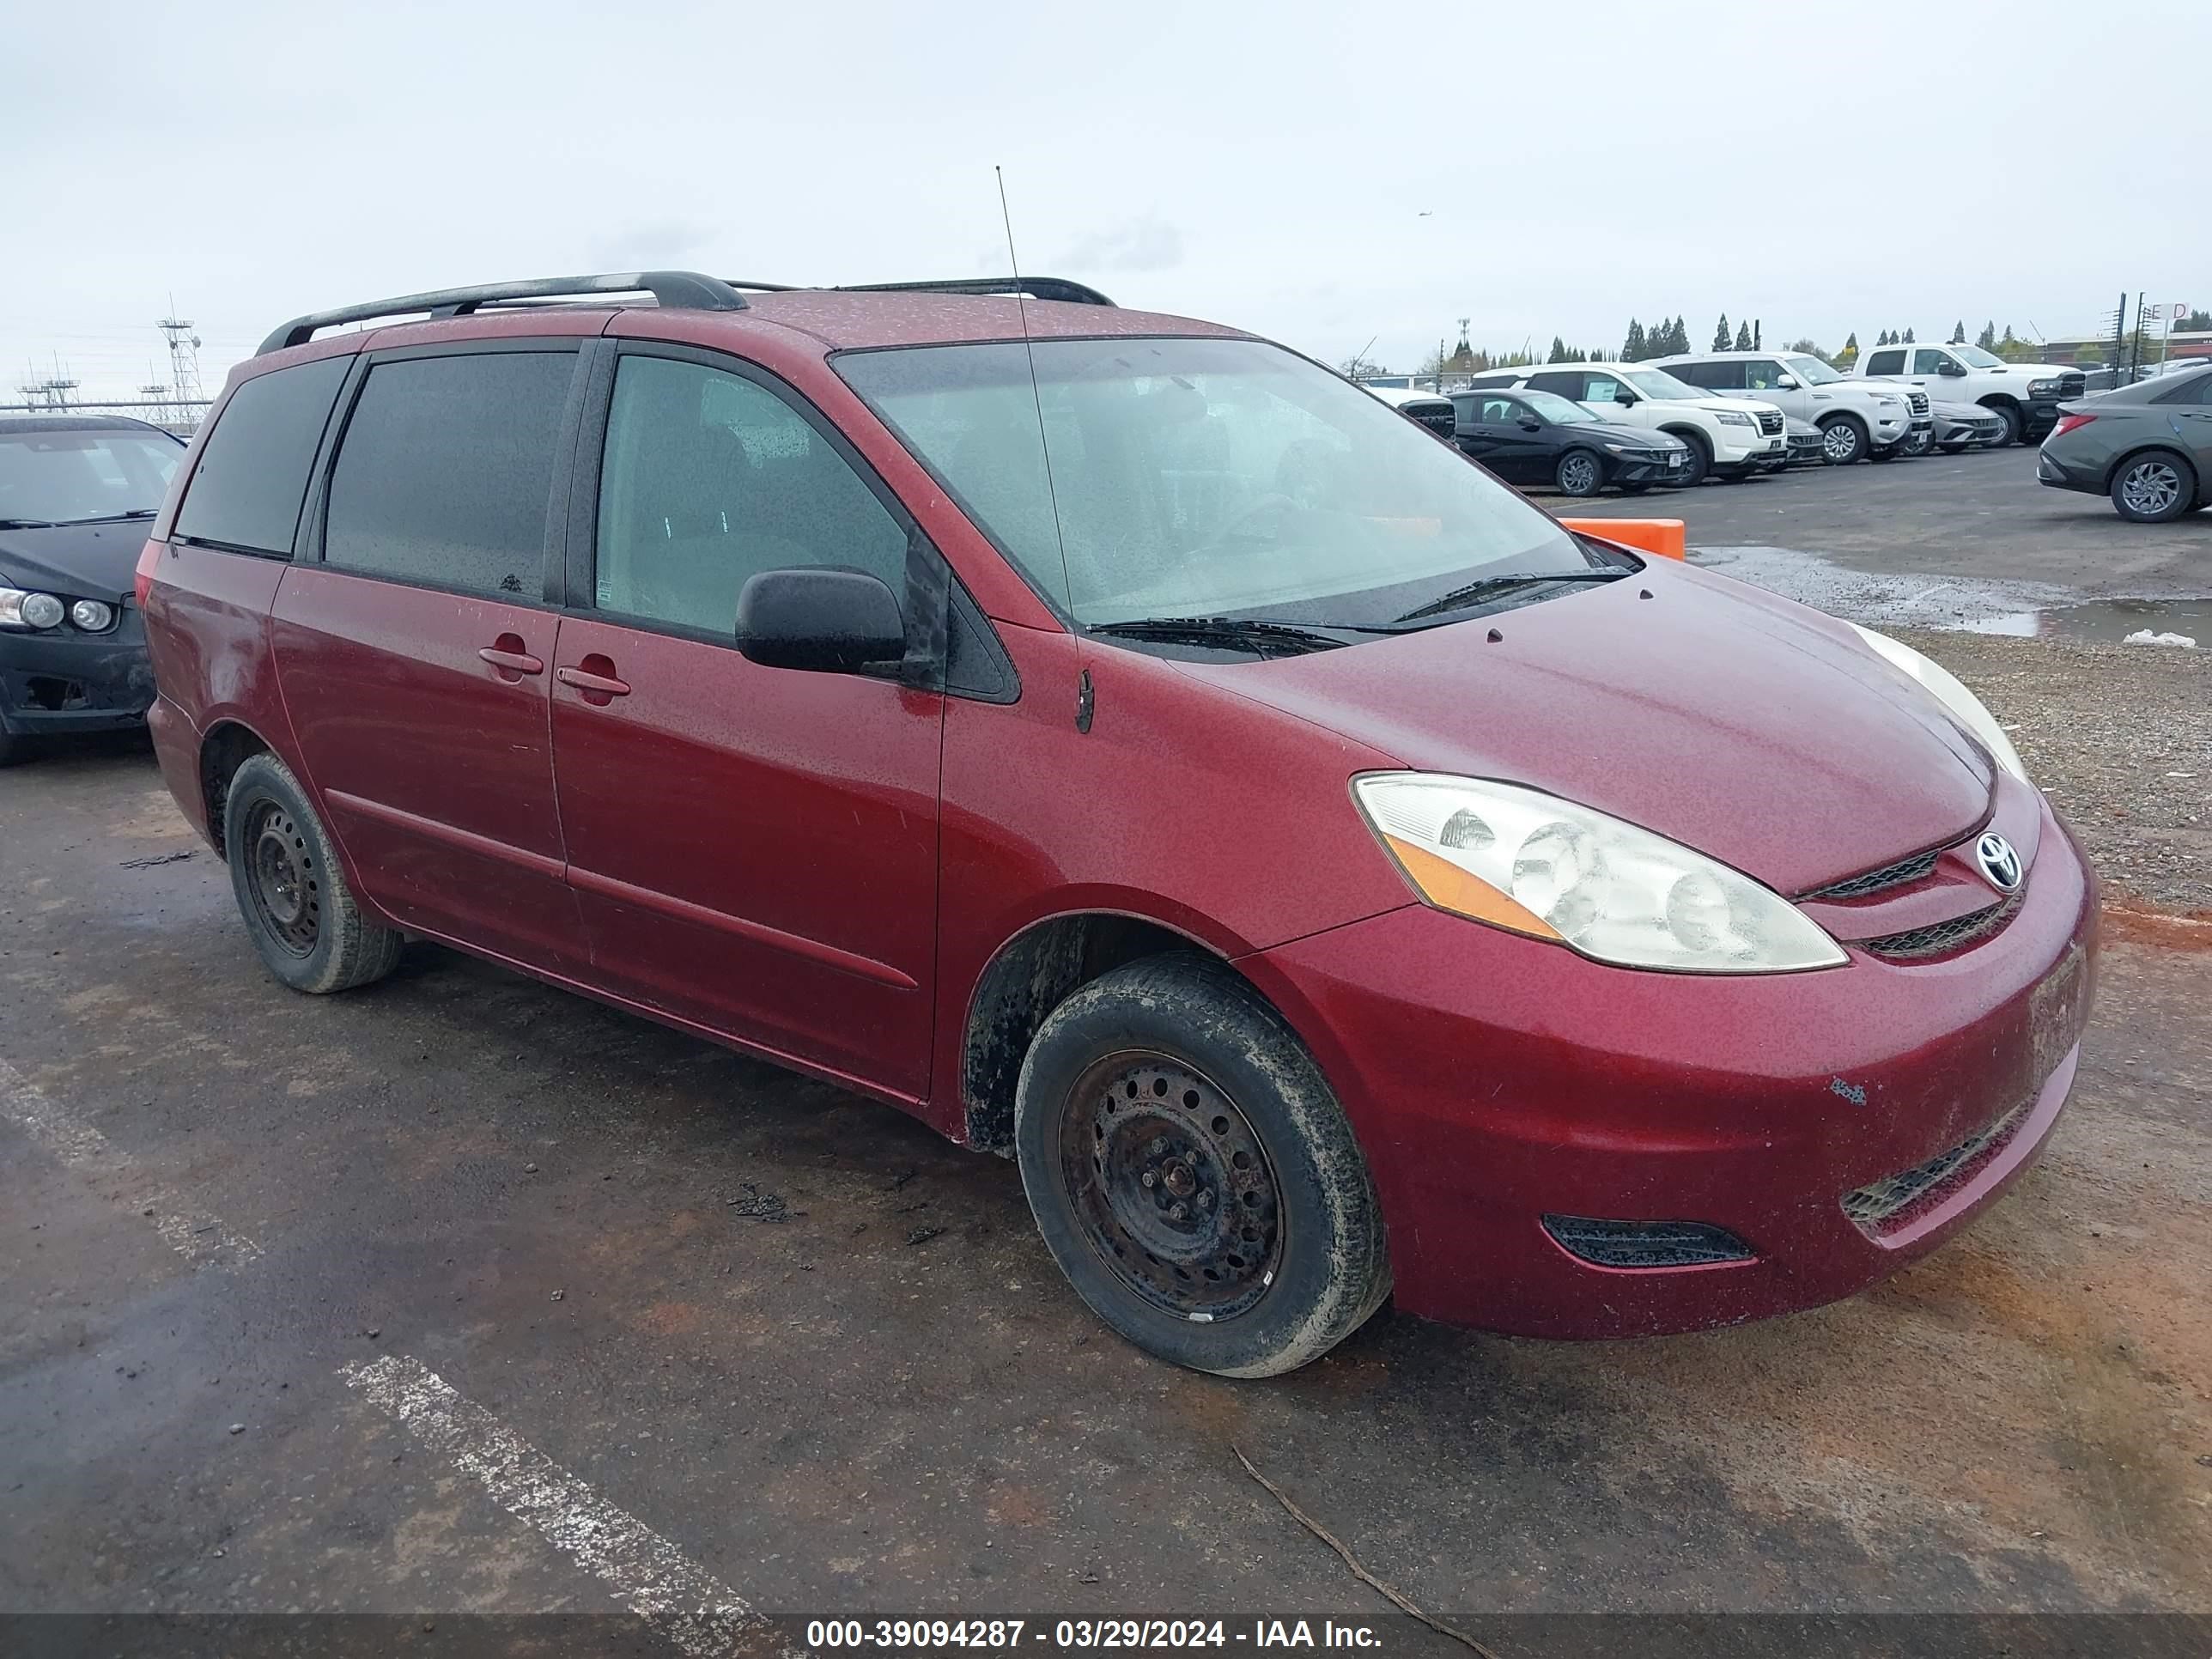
228	745
1030	975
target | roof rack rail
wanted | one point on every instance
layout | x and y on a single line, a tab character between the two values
670	289
1036	288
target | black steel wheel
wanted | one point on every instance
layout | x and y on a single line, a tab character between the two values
1192	1173
1173	1187
291	888
282	877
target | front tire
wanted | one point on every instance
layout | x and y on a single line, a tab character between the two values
1193	1175
1579	473
1701	457
2015	430
1843	440
2156	486
291	891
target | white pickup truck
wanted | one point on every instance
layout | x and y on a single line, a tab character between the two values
2025	396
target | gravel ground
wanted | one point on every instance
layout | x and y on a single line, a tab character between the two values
2120	736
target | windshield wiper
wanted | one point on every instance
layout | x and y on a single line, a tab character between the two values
1262	639
26	524
1460	597
109	518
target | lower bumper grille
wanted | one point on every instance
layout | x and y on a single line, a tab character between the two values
1645	1244
1879	1203
1939	938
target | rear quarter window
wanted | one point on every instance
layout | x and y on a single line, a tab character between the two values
444	471
250	474
1885	363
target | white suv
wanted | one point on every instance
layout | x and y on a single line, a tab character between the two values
1859	420
1729	437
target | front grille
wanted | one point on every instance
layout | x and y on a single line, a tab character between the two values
1940	938
2073	384
1645	1244
1769	422
1875	881
1917	402
1442	421
1881	1201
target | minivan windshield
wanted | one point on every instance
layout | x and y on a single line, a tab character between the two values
1811	370
74	475
1202	478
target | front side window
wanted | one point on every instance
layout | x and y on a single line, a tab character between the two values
81	476
1930	362
710	479
1199	479
444	471
1761	374
249	472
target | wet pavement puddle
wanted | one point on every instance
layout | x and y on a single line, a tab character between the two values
1970	605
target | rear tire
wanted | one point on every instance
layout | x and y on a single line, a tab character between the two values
1843	440
291	888
1579	473
1192	1175
2156	486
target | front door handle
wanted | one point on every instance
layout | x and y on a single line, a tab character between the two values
510	657
594	677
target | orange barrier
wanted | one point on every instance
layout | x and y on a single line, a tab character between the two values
1661	536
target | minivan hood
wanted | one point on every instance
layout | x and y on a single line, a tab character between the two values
80	560
1753	729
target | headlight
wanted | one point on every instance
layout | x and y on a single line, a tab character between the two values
1939	682
92	617
1733	417
1534	864
2042	388
1619	449
1887	402
22	610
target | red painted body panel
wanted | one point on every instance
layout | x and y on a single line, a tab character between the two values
1494	1078
821	868
756	849
433	767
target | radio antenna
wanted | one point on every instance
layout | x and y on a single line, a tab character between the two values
1083	696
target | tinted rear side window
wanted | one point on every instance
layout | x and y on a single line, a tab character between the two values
443	473
251	473
1886	362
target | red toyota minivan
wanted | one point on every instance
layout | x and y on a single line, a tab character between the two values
1125	746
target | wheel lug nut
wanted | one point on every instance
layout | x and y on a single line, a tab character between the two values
1176	1212
1206	1200
1150	1178
1159	1144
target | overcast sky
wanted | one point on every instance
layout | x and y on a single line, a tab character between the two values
1324	173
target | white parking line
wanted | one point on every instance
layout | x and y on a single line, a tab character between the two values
190	1231
695	1610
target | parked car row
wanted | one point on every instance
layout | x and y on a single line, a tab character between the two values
1737	413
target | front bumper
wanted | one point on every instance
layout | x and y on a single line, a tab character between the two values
63	681
1494	1080
1738	447
2041	414
1631	469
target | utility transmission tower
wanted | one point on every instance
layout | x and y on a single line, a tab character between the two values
156	392
184	359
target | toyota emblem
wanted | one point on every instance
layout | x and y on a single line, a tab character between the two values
1998	861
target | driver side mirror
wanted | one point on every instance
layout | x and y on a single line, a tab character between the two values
819	618
1951	366
1623	396
1785	383
1529	423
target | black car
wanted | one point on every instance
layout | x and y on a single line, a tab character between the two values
1526	436
75	494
